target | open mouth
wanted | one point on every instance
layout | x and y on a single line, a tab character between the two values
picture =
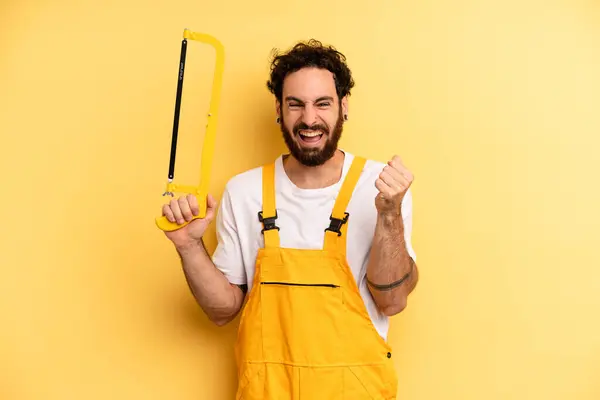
311	137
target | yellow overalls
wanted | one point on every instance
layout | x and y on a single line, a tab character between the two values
305	332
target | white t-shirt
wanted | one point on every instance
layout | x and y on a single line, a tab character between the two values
303	215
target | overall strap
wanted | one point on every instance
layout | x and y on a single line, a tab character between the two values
335	234
268	215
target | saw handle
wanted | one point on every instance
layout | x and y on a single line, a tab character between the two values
164	224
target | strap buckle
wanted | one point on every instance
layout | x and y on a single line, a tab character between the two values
336	224
268	222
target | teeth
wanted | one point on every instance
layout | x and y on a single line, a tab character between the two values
311	133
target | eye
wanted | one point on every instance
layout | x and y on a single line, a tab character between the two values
295	105
323	104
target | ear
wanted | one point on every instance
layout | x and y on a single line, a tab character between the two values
278	108
345	105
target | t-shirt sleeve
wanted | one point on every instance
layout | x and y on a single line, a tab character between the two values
227	256
407	216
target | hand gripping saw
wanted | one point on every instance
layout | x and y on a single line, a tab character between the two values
200	191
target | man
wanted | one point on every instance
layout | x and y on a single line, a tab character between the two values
317	243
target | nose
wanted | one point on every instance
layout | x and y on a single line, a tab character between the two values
309	115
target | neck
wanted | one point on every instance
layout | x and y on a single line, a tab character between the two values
317	177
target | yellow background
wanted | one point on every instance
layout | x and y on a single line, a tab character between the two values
493	104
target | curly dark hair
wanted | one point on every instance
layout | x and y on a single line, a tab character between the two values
310	54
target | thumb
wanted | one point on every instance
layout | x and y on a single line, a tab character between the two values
211	204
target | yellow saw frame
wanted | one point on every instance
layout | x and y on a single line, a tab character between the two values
201	191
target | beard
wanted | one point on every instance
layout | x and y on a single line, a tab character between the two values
312	157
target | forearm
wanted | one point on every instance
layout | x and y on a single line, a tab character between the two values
218	298
391	272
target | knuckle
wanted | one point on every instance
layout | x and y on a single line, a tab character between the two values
166	211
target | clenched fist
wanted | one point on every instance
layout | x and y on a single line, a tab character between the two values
183	210
392	183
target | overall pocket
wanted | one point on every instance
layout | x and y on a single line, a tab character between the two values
252	382
377	381
302	322
331	285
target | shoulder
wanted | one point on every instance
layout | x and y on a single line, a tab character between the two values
242	194
244	182
370	173
373	168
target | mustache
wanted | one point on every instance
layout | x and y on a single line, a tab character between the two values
314	127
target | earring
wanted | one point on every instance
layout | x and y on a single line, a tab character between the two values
346	117
277	120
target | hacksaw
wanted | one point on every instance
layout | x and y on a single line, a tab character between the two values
200	191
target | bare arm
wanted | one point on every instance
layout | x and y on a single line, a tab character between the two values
219	299
391	273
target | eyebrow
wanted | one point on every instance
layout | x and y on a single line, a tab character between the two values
292	98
